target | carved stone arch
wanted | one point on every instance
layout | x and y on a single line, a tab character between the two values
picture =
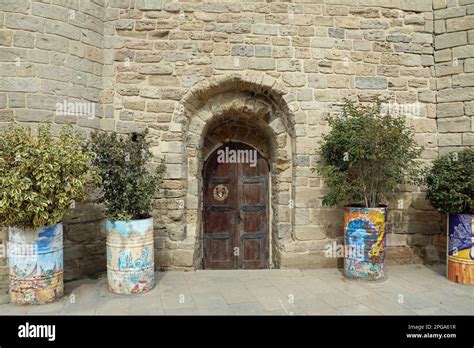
249	108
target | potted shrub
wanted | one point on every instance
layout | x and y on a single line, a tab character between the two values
364	157
128	189
450	189
40	177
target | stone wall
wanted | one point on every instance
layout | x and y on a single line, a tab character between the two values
454	68
51	52
181	67
316	53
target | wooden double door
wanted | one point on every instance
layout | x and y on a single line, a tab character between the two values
236	208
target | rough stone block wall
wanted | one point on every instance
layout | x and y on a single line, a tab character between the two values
51	52
320	52
84	241
454	68
176	67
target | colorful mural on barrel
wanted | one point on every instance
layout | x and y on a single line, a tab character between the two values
130	256
461	248
35	260
364	238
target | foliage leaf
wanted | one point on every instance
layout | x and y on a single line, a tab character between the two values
450	183
41	176
128	185
366	155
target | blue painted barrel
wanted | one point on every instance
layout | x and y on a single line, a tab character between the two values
130	256
364	239
35	260
461	248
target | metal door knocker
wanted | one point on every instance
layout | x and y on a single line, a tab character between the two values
220	192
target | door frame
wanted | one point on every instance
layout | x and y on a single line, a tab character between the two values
269	200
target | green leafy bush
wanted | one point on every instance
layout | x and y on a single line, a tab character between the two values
128	186
40	177
365	155
450	183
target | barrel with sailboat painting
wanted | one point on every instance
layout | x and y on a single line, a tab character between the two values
36	265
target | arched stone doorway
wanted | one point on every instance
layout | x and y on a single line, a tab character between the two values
251	109
236	208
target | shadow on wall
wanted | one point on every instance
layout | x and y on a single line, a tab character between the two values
84	241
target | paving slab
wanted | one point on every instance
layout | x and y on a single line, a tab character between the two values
210	298
432	311
316	307
408	289
338	299
357	309
253	308
114	307
235	294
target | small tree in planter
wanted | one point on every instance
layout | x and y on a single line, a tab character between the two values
450	189
128	190
364	157
40	177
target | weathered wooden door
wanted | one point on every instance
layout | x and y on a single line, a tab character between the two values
236	208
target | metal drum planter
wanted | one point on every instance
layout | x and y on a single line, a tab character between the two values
461	248
36	265
130	256
364	239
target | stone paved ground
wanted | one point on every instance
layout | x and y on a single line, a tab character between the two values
420	289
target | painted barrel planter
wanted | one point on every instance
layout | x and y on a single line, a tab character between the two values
130	256
460	248
364	239
35	260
